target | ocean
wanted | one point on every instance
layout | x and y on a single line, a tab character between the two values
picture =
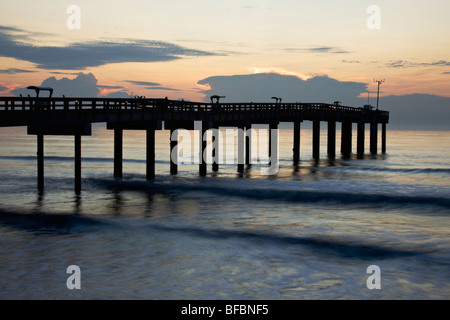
312	231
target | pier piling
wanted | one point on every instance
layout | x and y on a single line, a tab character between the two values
373	137
40	161
150	166
331	146
77	164
316	139
360	139
118	153
296	146
346	139
215	150
173	151
248	146
241	149
202	143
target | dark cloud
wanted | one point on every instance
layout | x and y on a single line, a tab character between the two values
86	85
261	87
81	55
15	70
83	85
5	28
2	88
415	112
21	34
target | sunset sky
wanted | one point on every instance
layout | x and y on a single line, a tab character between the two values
164	48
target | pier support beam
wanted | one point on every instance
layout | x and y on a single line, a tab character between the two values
150	167
248	146
273	142
360	139
77	164
331	147
76	131
215	150
383	137
373	137
118	153
273	148
173	151
316	139
296	146
346	139
202	143
40	161
241	149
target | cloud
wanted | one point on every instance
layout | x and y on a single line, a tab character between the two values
408	64
332	50
262	86
83	85
151	85
109	87
143	83
117	94
397	64
351	61
415	112
14	71
65	73
14	43
436	63
2	88
86	85
278	71
162	88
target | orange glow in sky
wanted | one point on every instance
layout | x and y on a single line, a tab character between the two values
164	47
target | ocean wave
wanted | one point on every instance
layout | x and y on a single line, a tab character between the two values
326	245
59	223
51	223
71	159
283	195
392	169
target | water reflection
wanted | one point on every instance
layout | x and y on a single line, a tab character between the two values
78	202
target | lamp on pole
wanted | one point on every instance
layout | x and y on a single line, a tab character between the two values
378	92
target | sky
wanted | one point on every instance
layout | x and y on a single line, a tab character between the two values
320	51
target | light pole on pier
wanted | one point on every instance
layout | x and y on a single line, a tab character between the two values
378	92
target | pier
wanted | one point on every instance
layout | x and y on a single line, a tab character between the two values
75	116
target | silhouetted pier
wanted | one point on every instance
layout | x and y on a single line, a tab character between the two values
75	116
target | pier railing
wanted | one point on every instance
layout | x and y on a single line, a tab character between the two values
24	104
